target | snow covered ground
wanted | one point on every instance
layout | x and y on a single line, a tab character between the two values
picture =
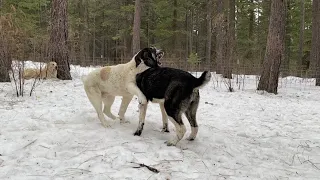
55	134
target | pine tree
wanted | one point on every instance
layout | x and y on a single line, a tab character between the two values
58	49
275	48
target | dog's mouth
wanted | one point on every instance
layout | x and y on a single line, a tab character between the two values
159	63
56	67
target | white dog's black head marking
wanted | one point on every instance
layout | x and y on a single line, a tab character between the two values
150	57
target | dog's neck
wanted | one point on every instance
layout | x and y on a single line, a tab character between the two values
133	67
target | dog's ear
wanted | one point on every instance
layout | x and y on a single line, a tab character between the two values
138	61
141	56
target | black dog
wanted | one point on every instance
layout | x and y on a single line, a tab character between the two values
177	91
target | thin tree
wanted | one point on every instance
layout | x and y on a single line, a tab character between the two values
301	39
175	27
5	59
231	35
288	38
275	48
136	27
209	33
58	49
315	44
221	42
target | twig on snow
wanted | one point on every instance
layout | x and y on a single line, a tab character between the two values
140	165
313	164
89	160
29	144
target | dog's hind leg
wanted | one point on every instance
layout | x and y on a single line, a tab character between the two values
174	115
123	108
108	101
191	116
94	95
142	116
164	118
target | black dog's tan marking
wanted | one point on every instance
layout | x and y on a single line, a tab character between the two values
179	92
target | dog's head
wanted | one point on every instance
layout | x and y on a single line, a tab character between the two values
52	66
150	57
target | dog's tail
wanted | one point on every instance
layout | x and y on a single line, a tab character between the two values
202	80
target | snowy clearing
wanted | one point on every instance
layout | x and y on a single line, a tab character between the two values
56	134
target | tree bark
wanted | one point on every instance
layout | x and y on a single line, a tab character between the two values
5	59
231	38
285	64
249	54
175	27
275	48
301	68
221	40
315	44
58	48
209	33
136	27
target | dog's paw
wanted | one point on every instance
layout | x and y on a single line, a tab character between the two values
106	125
123	121
138	132
190	138
171	142
142	100
165	130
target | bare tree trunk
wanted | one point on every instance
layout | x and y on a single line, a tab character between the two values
231	38
58	49
249	54
221	36
5	59
315	44
209	33
301	68
191	32
285	64
136	27
175	28
275	48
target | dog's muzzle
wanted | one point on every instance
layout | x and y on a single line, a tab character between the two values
158	56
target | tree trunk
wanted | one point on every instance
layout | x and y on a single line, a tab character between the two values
315	44
175	28
191	32
285	64
58	49
136	27
5	59
249	54
221	37
301	68
275	48
231	38
209	33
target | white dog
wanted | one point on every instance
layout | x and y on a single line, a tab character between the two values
103	84
48	72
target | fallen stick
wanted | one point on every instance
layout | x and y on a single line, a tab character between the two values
143	165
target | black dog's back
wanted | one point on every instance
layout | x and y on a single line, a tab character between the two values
161	82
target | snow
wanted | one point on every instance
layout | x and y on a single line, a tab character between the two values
56	134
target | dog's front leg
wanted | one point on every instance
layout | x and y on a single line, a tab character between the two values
123	108
142	116
134	90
